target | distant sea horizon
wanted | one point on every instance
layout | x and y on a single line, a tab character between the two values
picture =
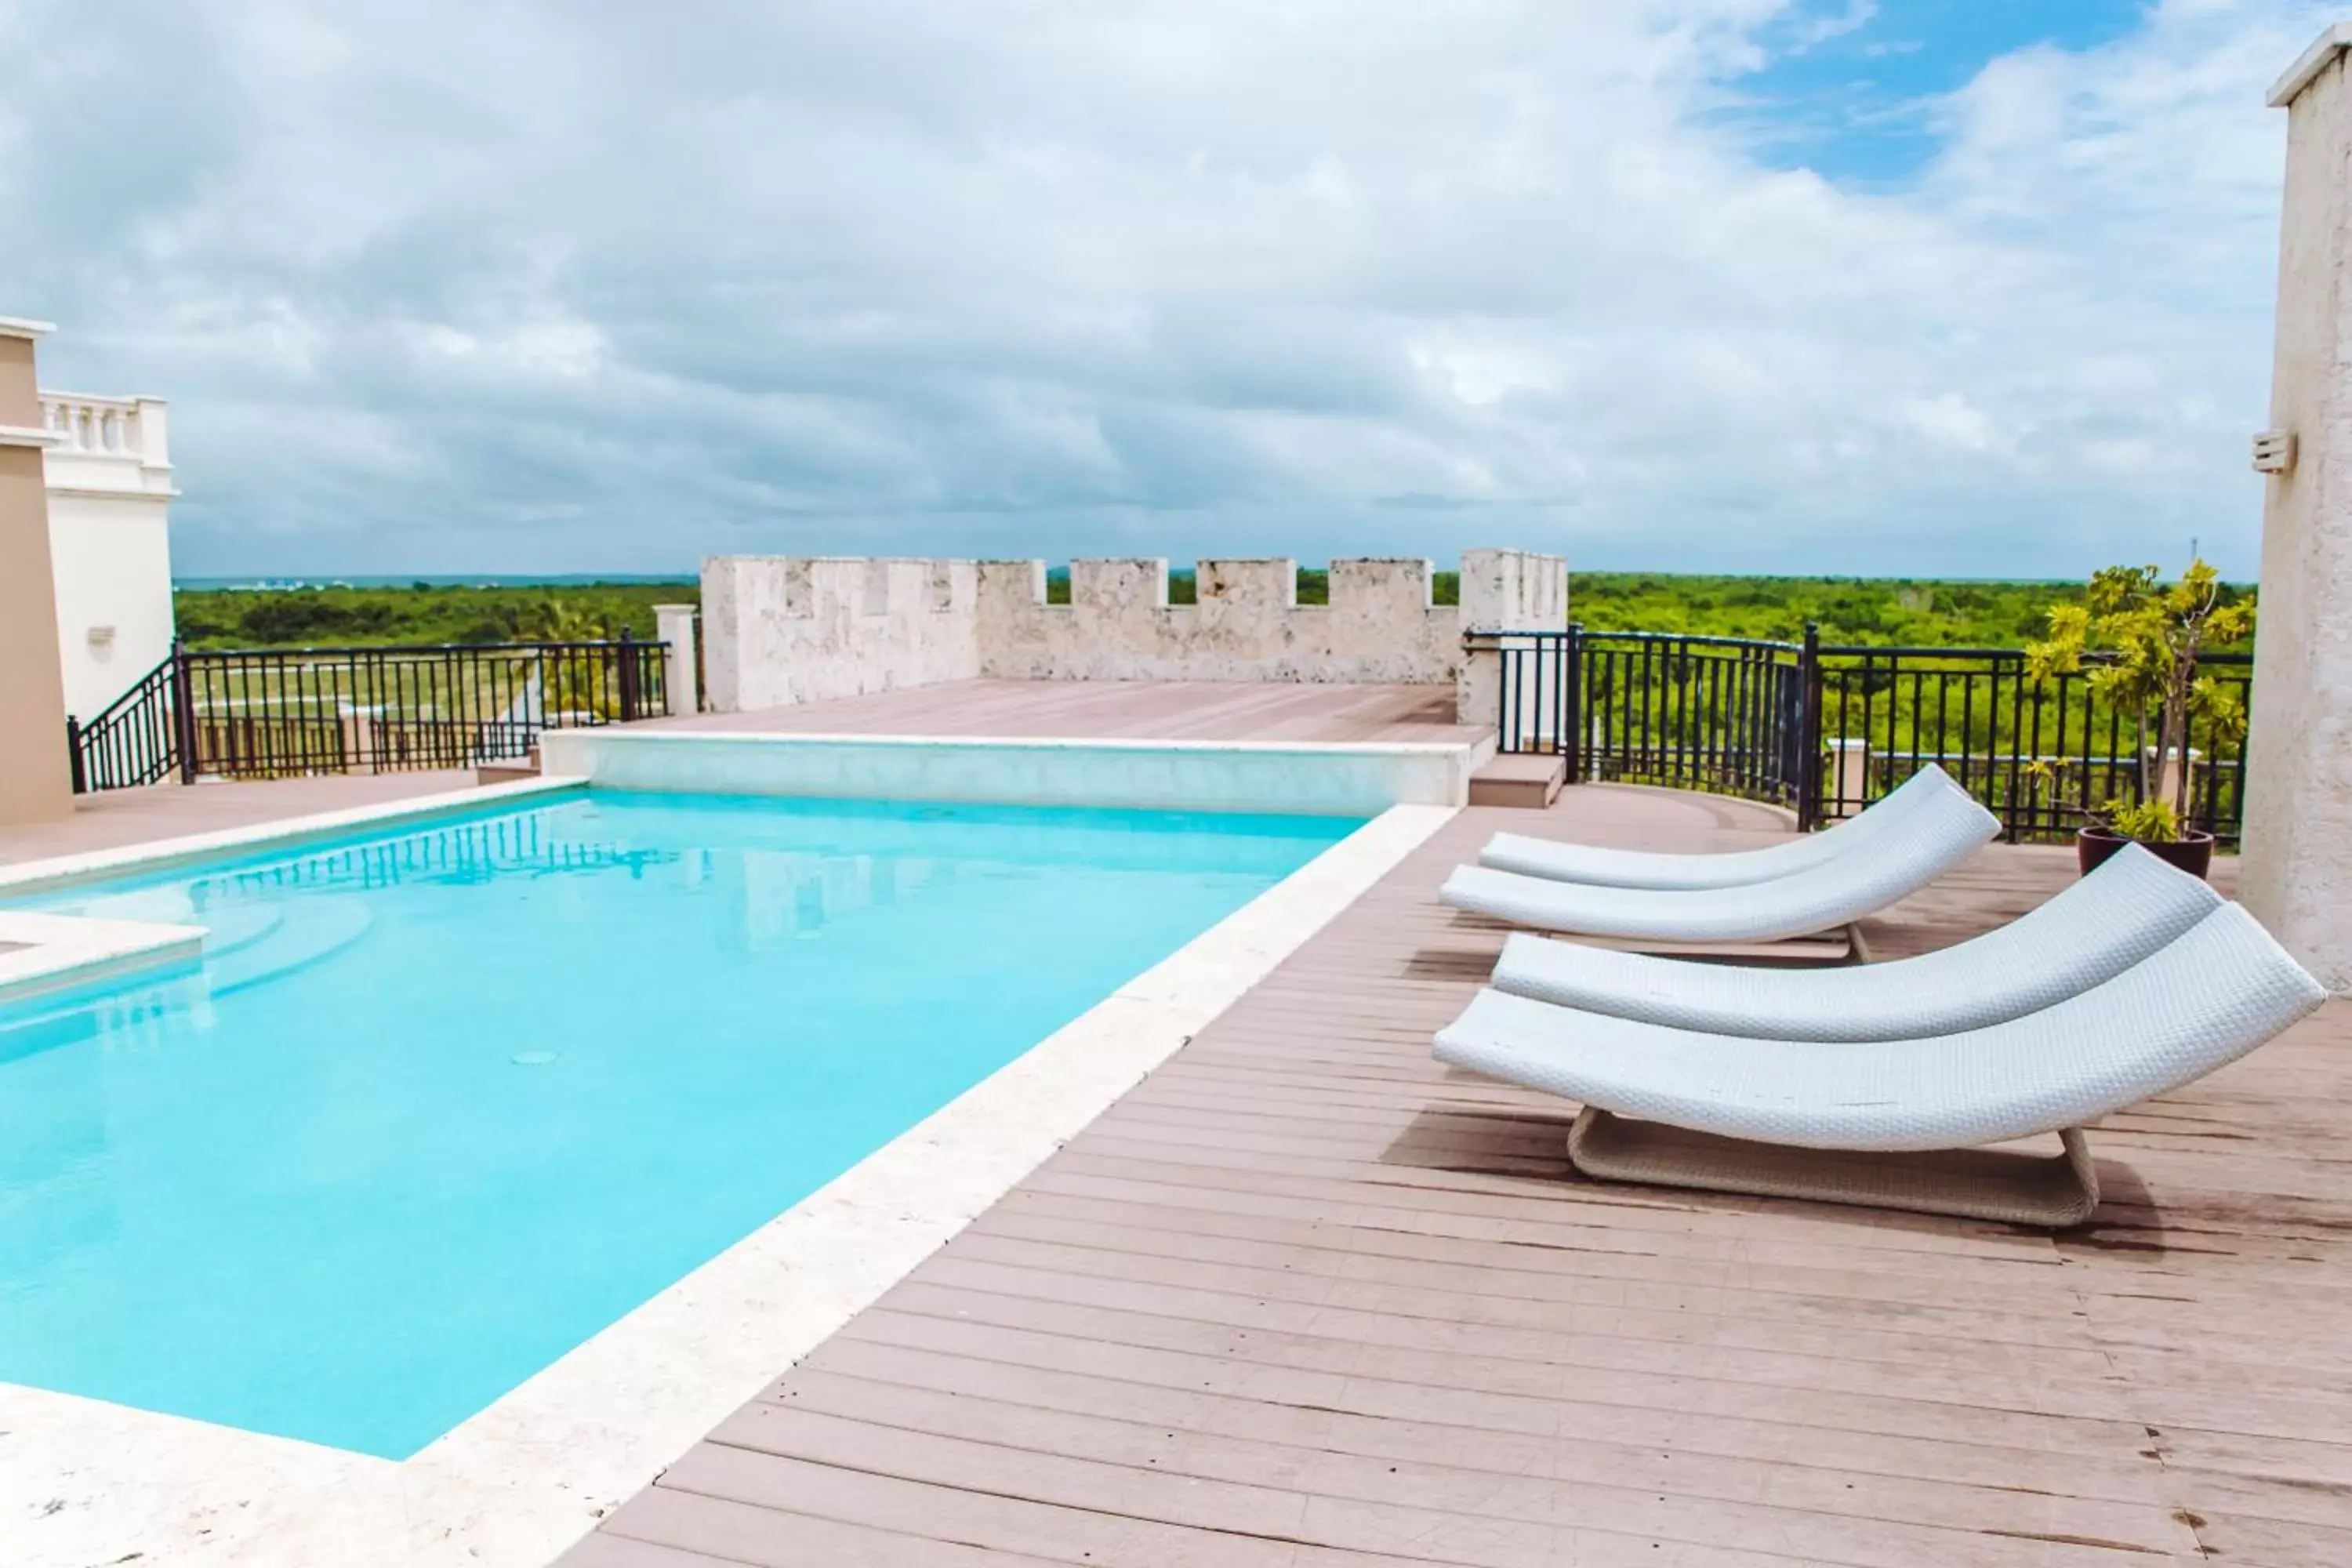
296	580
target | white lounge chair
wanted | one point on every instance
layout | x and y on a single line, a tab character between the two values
2090	933
1831	891
1930	793
1809	1119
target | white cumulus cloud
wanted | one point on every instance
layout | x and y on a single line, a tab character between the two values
568	286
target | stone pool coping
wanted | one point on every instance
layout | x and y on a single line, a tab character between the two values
517	1482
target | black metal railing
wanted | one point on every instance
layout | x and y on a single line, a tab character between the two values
2034	751
278	712
130	743
1827	730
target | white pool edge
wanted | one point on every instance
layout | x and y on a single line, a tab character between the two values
518	1482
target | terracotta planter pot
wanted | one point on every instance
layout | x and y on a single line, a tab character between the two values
2193	853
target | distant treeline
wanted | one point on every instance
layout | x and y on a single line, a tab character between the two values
425	612
1918	612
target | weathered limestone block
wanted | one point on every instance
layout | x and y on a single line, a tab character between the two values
782	630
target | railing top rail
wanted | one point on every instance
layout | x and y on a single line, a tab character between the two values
50	397
2006	654
1698	638
329	651
1702	639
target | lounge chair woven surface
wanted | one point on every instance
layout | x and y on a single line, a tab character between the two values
1816	899
2204	1000
2088	934
1929	791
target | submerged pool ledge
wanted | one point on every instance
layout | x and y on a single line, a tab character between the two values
44	953
1360	779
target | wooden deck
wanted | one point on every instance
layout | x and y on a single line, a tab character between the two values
117	817
1116	709
1306	1298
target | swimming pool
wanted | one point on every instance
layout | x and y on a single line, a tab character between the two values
443	1101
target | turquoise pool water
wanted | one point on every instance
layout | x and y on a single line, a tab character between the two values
440	1104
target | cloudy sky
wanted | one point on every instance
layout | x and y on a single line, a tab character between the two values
1971	287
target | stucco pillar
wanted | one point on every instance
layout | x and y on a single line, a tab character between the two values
1503	591
2297	872
35	776
673	628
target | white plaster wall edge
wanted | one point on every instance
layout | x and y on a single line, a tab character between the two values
62	951
515	1484
154	854
2310	63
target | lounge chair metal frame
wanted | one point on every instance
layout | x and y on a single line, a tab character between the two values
1967	1183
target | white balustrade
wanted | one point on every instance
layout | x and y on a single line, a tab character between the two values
128	428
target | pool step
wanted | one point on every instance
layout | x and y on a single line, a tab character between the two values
318	926
1533	781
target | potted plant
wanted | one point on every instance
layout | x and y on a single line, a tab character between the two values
2145	635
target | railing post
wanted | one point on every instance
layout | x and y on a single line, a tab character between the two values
1809	730
628	678
1571	718
183	712
73	755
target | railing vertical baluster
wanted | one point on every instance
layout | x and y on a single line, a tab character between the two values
1808	782
628	681
184	708
1571	722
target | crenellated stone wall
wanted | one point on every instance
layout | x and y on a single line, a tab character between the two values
1247	624
781	630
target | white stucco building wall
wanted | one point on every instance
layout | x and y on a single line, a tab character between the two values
109	475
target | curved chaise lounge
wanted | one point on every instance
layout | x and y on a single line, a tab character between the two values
1816	1120
1818	897
1929	794
2096	929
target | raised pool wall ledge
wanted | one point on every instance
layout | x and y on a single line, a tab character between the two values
85	1481
1331	779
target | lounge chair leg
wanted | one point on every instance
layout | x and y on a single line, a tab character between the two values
1972	1183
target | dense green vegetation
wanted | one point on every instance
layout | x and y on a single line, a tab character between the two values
374	617
1920	612
1874	611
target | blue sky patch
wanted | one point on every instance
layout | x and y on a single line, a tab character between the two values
1850	87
